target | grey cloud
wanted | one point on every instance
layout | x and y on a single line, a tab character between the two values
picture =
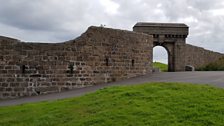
26	15
49	18
44	14
56	20
204	4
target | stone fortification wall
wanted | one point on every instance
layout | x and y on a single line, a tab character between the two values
198	57
100	55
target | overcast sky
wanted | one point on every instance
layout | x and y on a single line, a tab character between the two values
61	20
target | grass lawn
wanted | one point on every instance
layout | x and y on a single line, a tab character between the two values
162	66
155	104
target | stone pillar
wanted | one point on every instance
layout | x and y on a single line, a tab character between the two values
179	55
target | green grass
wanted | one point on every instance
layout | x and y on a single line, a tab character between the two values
214	66
155	104
163	67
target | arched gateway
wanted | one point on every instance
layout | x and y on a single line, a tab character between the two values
172	37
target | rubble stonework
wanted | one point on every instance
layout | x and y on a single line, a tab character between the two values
100	55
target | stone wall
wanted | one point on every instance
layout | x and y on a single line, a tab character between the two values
100	55
198	57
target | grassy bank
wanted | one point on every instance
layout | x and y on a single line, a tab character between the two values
148	104
163	67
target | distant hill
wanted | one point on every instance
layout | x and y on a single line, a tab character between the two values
162	66
214	66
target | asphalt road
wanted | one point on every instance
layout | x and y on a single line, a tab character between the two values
212	78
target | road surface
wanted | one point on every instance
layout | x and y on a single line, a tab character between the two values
212	78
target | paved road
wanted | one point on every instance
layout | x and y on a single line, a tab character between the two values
213	78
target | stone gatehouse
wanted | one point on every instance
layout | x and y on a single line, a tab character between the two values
172	36
99	55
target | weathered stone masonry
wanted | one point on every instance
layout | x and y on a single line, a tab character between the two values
198	57
172	36
99	55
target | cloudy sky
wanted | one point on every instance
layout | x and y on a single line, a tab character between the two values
61	20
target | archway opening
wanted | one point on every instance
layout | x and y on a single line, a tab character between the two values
160	59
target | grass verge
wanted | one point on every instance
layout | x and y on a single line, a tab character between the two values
162	66
139	105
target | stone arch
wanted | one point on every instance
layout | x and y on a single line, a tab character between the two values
169	49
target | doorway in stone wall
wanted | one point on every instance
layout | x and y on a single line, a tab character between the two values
160	59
